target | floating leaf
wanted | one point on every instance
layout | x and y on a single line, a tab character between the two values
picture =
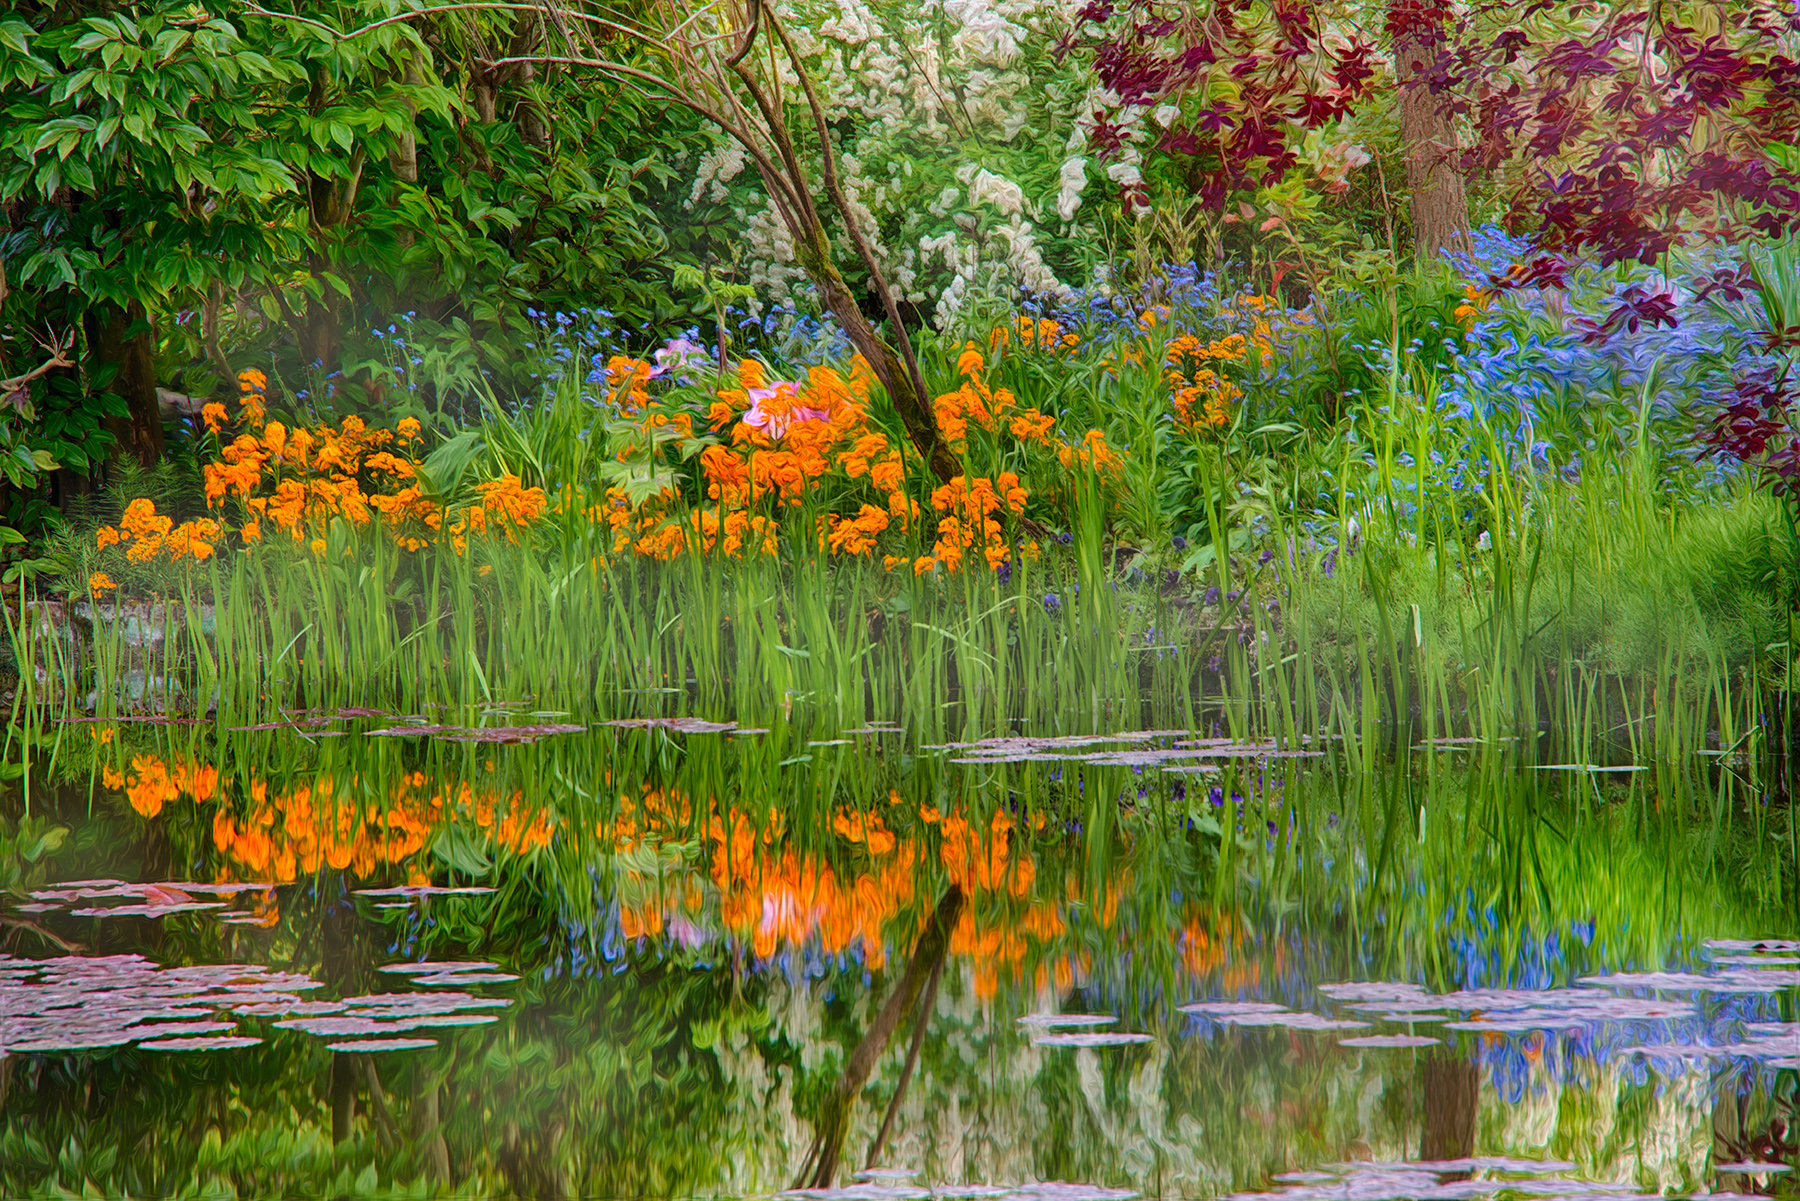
511	734
681	725
1092	1038
147	910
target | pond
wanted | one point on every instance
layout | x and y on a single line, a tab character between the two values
504	952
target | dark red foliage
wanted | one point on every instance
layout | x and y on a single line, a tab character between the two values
1754	426
1288	78
1635	307
1619	108
1597	127
1727	283
1422	21
1544	271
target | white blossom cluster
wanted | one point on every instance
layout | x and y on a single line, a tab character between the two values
960	143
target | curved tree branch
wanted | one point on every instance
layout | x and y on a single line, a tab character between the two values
737	55
765	135
834	188
674	95
58	349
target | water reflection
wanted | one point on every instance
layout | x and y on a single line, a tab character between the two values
669	961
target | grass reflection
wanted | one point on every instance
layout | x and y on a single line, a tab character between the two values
708	924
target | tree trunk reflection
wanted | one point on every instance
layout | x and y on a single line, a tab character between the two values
834	1122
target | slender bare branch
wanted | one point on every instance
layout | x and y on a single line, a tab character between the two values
750	27
784	145
828	159
59	357
921	1019
675	95
22	923
642	35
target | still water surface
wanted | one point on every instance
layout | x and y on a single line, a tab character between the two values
513	954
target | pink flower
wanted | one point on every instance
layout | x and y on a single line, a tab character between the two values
776	424
679	353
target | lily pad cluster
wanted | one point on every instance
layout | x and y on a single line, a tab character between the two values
372	1022
96	1003
1182	749
151	899
1666	1024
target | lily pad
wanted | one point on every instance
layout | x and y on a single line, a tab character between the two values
147	910
1221	1009
375	1045
681	725
1091	1038
511	734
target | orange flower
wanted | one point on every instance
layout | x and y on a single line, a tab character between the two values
1032	426
152	788
1091	452
252	387
100	582
1475	302
193	538
857	535
514	505
865	828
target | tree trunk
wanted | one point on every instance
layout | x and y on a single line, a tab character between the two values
139	432
404	160
834	1123
320	328
1452	1090
343	1095
427	1126
896	367
884	360
331	204
1440	208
